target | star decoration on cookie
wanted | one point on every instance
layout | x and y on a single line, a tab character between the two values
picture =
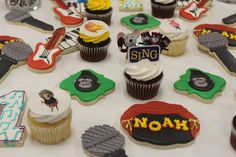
140	21
87	86
200	85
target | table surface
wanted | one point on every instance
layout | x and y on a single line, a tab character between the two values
215	118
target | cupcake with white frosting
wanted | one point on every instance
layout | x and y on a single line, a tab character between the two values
177	32
143	79
163	8
49	117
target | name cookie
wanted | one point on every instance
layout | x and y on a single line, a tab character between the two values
87	86
160	124
12	107
200	85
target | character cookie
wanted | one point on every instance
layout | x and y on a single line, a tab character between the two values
49	116
13	55
142	22
216	45
103	141
87	86
12	107
195	10
44	56
203	86
130	5
68	15
69	42
160	124
226	31
25	18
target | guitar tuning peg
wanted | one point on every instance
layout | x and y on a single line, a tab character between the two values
69	4
75	5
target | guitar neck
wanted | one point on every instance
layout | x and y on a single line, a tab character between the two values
61	4
56	38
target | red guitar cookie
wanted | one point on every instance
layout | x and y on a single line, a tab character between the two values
44	56
68	15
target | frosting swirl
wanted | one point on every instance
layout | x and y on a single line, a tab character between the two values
43	113
98	4
94	31
174	29
144	70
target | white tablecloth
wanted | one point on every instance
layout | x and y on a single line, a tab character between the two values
215	118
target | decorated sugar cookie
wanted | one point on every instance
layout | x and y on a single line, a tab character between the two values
68	15
142	22
13	55
12	107
160	124
103	141
230	20
130	5
216	45
44	56
25	18
87	86
200	85
6	40
227	31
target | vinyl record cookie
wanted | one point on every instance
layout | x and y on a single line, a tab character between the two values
87	86
12	107
200	85
160	124
103	141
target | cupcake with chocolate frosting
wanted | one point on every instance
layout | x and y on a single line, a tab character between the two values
94	40
163	8
99	10
49	117
143	79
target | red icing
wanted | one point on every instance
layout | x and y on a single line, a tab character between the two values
158	107
8	38
197	30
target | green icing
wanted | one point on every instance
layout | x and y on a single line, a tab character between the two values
106	85
183	86
152	22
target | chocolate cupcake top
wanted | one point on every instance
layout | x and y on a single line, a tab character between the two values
49	106
164	1
144	70
97	5
94	31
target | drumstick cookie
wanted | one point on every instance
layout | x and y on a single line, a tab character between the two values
202	86
13	55
216	45
25	18
12	107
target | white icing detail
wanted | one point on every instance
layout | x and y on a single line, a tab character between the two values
43	114
45	55
144	70
72	12
174	29
194	11
13	105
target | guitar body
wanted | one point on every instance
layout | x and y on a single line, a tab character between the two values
193	12
43	59
68	15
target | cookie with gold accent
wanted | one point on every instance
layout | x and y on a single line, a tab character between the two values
160	124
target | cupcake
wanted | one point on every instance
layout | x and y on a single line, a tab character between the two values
143	79
163	8
93	40
177	32
99	10
49	117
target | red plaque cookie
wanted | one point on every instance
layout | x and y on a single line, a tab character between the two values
226	31
161	124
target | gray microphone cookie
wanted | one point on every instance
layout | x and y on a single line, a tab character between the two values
103	141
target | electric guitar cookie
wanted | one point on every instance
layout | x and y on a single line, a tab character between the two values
195	10
44	57
68	15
